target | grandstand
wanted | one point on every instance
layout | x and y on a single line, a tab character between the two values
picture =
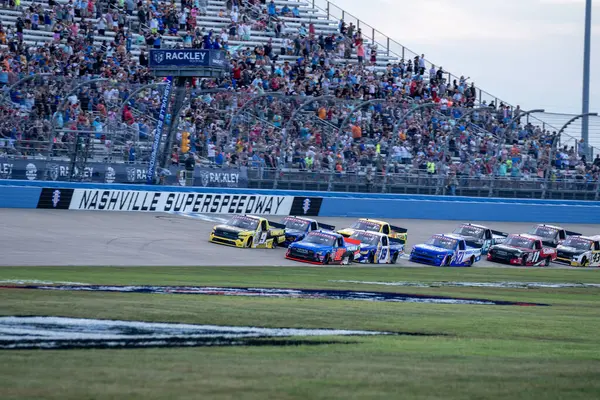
312	89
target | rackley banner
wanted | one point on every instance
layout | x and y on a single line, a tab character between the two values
187	58
33	170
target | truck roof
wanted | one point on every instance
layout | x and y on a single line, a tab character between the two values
326	232
452	236
551	226
595	238
528	236
301	218
475	225
373	220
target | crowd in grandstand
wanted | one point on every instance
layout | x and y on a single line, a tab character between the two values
456	136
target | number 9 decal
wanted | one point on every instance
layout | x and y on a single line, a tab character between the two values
263	237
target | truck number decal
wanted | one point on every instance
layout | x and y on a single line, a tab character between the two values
535	256
596	257
263	238
339	253
383	254
458	257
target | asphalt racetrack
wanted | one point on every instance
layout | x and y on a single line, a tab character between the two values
100	238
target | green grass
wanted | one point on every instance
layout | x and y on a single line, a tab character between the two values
481	352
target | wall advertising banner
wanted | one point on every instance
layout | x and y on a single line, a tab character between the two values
39	170
182	202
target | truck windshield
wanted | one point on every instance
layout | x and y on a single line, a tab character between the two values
295	224
545	232
243	222
469	230
365	238
443	242
519	241
578	243
367	226
319	238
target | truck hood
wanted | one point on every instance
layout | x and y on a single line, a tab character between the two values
510	249
294	232
570	250
346	231
233	229
310	246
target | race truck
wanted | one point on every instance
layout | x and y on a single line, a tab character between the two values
579	251
377	248
445	250
249	231
373	225
324	247
551	236
480	237
296	228
522	249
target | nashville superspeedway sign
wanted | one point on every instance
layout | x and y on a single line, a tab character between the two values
185	202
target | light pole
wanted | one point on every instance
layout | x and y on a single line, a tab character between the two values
585	104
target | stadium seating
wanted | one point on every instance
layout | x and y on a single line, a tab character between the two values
340	133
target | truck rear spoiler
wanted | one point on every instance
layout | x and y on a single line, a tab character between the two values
398	229
395	240
569	233
276	225
499	233
327	227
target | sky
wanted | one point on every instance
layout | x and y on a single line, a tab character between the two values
525	52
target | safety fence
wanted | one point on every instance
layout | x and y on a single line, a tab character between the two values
408	181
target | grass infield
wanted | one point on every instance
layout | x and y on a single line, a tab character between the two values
481	352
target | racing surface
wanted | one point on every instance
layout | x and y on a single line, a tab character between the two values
99	238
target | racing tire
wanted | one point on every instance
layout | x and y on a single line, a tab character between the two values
249	243
547	262
371	258
394	259
275	243
446	261
471	261
345	260
524	260
327	259
585	262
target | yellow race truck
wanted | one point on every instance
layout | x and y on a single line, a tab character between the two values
249	231
373	225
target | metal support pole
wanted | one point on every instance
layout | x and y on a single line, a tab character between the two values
585	104
166	97
177	104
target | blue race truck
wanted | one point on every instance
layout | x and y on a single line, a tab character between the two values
445	250
296	228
